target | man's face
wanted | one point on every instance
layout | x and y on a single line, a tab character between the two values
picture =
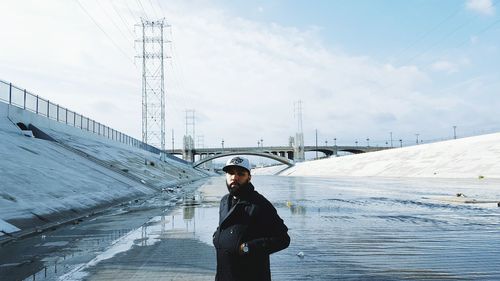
235	178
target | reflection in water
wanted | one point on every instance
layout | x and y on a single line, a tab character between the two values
384	229
295	194
295	208
188	212
189	204
355	228
144	235
53	265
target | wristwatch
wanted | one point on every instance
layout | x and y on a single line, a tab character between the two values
245	248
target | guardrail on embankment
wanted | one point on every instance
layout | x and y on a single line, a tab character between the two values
21	98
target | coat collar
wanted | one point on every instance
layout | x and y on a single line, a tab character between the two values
244	196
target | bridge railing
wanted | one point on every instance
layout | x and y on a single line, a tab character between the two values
21	98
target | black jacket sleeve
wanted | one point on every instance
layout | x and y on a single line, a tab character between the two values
273	233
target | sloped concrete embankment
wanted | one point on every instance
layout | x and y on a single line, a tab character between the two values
473	157
68	173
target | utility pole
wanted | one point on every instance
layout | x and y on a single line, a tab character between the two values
316	143
200	141
299	135
153	81
189	136
172	140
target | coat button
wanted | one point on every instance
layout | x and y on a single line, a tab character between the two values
231	231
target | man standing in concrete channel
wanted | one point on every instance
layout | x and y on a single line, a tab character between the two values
249	228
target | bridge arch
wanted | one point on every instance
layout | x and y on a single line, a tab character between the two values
283	160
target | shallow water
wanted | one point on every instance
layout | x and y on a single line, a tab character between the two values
377	229
346	228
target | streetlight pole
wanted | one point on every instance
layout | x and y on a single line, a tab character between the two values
400	143
455	132
316	143
173	141
335	141
417	137
222	143
391	138
368	142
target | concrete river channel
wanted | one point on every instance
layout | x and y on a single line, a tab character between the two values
341	229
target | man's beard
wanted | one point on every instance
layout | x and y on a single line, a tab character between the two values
237	189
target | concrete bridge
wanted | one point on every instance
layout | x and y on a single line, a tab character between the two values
280	159
283	154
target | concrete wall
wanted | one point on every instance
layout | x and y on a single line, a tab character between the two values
45	183
472	157
4	109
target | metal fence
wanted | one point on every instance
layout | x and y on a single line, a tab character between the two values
23	99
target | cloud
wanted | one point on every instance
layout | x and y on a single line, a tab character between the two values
451	66
254	72
445	66
484	7
241	77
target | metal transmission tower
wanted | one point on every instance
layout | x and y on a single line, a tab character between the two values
153	81
189	137
200	143
299	154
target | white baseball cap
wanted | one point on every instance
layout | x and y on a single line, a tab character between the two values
237	162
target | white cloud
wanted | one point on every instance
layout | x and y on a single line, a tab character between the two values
445	66
484	7
254	72
241	77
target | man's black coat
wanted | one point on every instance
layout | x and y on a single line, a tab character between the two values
255	221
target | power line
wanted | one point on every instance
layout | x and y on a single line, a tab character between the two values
123	19
144	11
105	33
438	42
161	8
131	12
480	32
112	21
428	32
177	76
446	36
153	9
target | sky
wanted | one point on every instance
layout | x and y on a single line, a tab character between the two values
362	69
